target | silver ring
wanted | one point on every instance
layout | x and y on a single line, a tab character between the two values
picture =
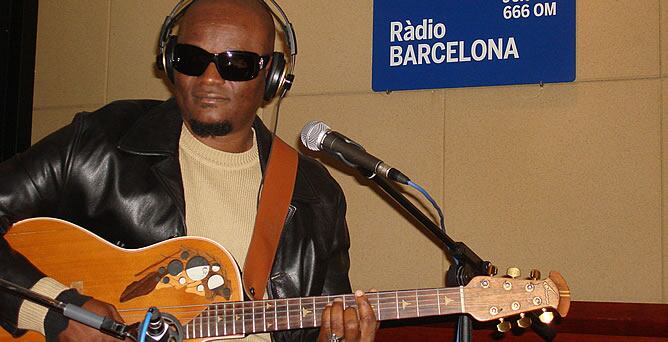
334	338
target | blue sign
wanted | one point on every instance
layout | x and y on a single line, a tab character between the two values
429	44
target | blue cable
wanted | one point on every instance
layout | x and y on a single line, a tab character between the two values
144	325
440	214
431	200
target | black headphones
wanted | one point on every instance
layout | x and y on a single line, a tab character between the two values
279	76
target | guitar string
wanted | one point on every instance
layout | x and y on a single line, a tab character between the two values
206	321
249	323
389	296
244	309
384	301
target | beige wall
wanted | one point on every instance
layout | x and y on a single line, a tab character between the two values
563	177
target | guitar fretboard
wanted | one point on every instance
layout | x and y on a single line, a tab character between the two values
250	317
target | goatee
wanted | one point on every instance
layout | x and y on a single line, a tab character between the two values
214	129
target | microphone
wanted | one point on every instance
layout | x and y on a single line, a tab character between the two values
156	326
317	136
162	327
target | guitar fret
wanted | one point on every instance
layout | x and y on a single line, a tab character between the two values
225	319
301	317
208	322
234	319
275	315
253	310
194	327
243	318
264	318
438	300
287	316
396	301
245	326
417	304
315	315
461	298
216	313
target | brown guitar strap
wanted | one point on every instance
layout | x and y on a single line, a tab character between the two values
277	187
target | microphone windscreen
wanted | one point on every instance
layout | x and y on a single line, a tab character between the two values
313	134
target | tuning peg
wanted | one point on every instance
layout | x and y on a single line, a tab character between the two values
513	272
492	270
534	274
503	326
524	321
546	317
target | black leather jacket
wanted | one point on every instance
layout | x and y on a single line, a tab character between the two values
116	172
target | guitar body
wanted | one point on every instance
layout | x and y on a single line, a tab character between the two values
181	274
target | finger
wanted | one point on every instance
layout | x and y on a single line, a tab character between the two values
351	324
375	296
326	326
336	319
367	318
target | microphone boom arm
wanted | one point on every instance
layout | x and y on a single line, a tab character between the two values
467	264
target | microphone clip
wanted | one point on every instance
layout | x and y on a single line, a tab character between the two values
162	327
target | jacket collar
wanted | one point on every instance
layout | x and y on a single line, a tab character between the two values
157	133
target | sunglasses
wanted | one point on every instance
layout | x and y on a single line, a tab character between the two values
232	65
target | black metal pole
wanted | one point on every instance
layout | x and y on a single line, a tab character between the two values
466	264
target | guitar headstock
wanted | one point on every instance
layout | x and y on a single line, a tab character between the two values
490	298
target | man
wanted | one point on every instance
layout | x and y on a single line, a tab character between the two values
138	172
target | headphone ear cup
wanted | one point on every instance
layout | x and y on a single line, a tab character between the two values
275	76
166	58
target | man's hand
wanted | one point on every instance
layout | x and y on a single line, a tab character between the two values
349	325
76	331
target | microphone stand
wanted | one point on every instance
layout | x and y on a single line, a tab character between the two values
77	313
466	263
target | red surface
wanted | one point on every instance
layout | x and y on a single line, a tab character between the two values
586	321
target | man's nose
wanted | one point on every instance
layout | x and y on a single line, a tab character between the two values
211	74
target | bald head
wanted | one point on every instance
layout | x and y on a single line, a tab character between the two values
249	15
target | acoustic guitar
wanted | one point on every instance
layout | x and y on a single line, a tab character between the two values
197	281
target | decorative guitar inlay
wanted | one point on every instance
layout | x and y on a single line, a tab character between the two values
549	291
306	312
189	270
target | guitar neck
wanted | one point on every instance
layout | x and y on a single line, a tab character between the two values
237	318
